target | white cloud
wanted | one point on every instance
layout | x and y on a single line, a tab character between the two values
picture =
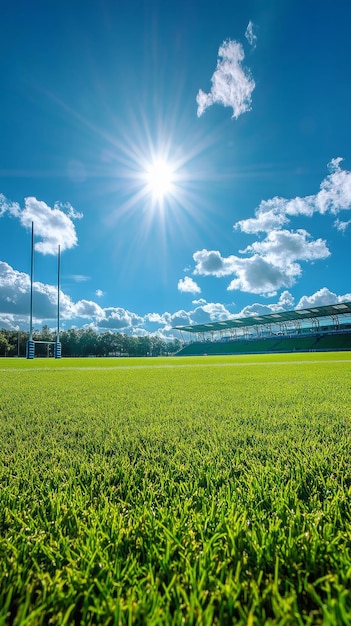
342	226
274	261
165	320
257	274
12	322
14	307
7	205
14	296
66	207
53	226
335	191
269	215
285	303
199	301
260	276
99	293
231	85
272	264
254	275
210	312
179	318
211	263
333	196
188	285
250	34
87	309
282	247
322	297
155	318
14	290
119	319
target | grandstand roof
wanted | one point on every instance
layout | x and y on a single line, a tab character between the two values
282	317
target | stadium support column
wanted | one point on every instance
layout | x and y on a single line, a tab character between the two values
30	342
57	346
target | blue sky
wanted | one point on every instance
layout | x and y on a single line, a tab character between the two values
192	160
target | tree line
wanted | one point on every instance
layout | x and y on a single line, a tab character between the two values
86	342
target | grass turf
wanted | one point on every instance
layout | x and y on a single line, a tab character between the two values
166	491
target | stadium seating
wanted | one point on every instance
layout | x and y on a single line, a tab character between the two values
333	341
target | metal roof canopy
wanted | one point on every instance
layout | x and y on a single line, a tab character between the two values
330	310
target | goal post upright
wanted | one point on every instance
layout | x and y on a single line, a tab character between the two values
30	342
31	286
57	346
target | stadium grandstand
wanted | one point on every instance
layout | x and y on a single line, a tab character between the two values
315	329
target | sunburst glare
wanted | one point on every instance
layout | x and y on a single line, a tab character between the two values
154	173
159	178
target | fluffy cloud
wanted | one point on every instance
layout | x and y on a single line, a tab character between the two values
269	215
211	263
272	264
322	298
15	294
259	275
179	318
15	299
210	312
119	319
285	303
87	309
231	85
188	285
274	261
282	247
254	275
53	226
14	290
14	308
333	196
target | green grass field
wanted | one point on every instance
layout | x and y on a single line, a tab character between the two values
213	490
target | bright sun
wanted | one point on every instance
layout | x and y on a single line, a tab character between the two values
159	179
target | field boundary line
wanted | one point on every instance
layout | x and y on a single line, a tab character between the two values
171	366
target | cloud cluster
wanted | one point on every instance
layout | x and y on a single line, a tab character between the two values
255	274
232	84
286	302
274	261
14	309
333	196
14	299
117	318
53	226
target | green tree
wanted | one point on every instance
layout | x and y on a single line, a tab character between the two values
4	345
